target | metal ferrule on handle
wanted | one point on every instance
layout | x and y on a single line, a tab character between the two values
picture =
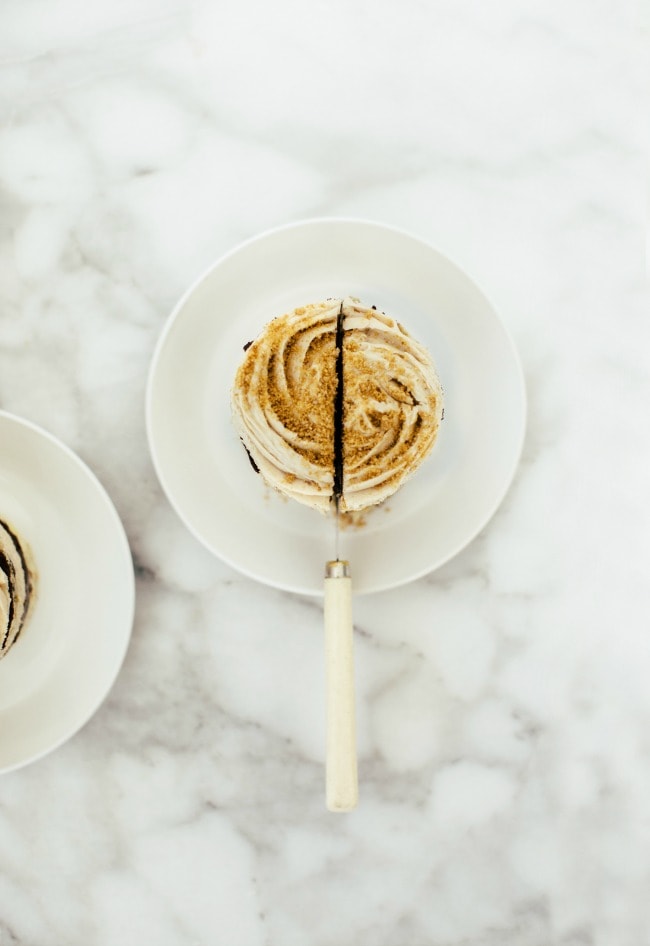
342	791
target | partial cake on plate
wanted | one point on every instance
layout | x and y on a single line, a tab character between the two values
16	587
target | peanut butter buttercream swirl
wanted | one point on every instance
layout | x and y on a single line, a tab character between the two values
392	406
16	587
283	400
309	443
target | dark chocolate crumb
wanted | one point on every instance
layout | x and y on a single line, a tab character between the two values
247	346
252	462
374	307
442	416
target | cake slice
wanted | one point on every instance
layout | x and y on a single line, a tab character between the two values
283	402
392	406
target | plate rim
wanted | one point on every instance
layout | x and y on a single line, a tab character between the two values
314	222
101	493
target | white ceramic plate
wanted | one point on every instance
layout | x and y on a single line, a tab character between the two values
71	648
204	469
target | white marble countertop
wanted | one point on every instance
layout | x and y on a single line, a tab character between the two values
504	704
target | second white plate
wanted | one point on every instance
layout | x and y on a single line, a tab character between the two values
204	469
73	643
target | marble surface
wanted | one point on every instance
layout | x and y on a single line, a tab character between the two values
504	705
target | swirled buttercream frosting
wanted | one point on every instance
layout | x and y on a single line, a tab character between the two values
16	587
337	400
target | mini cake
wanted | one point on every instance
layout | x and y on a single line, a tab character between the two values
337	401
16	587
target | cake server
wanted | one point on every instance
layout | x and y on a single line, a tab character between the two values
342	785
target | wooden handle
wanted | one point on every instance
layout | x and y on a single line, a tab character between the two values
342	783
